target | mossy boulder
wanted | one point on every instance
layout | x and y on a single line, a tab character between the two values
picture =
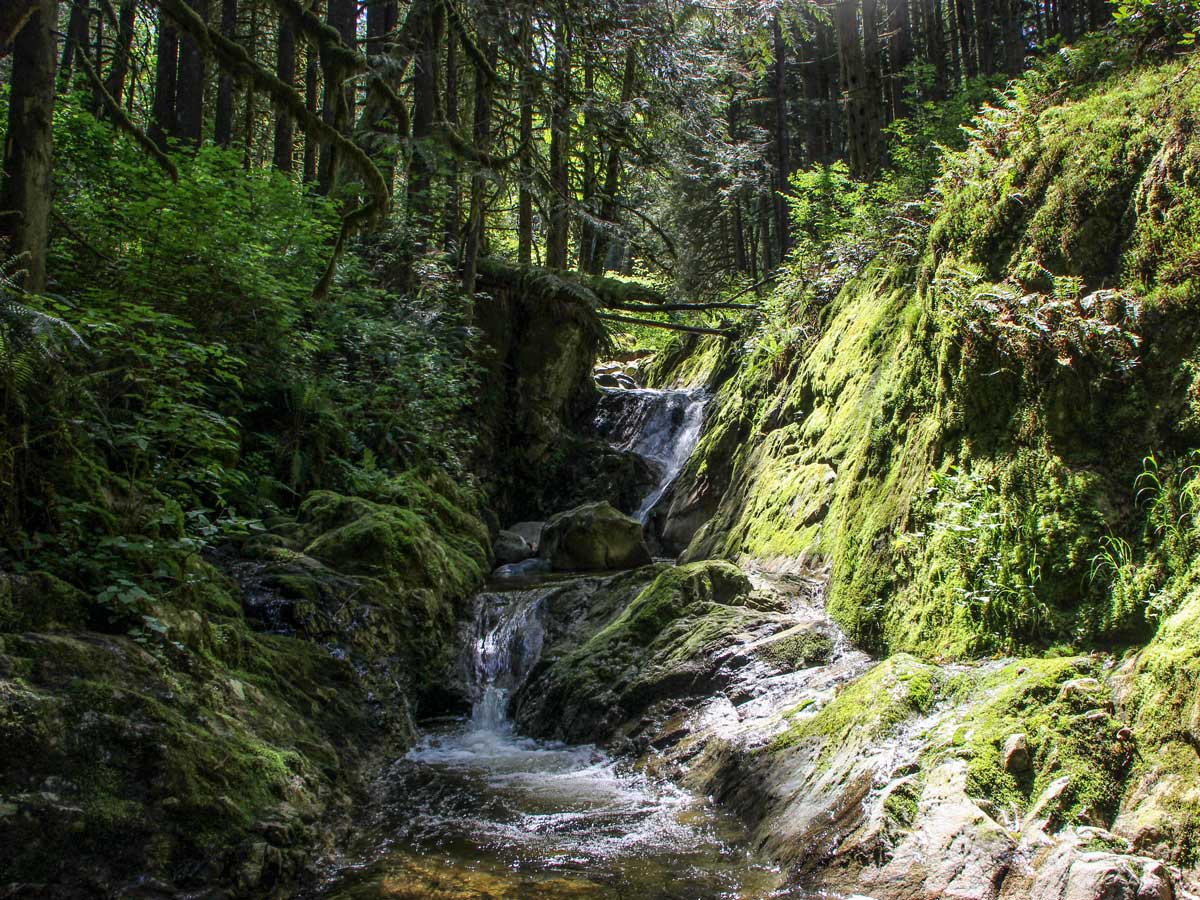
594	537
662	645
40	602
404	547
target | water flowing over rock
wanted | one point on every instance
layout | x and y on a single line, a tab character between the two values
661	426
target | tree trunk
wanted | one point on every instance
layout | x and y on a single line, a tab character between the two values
76	41
935	46
311	92
1014	38
251	94
783	161
985	40
338	108
862	142
591	139
612	167
873	99
167	61
189	94
29	147
223	124
425	105
114	84
558	228
482	133
900	55
285	71
453	221
967	38
525	152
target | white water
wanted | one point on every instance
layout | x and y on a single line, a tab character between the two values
661	426
477	811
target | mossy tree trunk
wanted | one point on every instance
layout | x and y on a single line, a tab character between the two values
29	146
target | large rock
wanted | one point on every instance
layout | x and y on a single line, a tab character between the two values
511	547
594	537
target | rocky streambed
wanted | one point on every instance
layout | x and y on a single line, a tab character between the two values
700	730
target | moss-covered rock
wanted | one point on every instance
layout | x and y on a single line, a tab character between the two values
953	440
659	646
40	602
593	537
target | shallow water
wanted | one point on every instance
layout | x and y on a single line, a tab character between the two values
476	813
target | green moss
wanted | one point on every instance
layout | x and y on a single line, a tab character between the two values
1066	716
868	708
38	602
806	647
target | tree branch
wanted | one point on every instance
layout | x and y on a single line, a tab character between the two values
122	121
670	326
679	307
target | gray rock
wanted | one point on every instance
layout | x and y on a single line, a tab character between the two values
594	537
528	568
607	380
511	547
531	531
1068	873
1016	754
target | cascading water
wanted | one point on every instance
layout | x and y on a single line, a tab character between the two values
506	642
475	810
659	425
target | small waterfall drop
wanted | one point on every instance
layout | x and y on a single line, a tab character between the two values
662	426
507	637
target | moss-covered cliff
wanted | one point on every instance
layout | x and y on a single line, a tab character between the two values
958	434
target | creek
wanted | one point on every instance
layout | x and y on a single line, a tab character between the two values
477	810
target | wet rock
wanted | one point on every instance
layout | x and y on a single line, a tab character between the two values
1067	873
530	531
593	537
953	850
528	568
607	380
1016	754
511	547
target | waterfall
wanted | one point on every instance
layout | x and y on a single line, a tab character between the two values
507	631
506	641
660	426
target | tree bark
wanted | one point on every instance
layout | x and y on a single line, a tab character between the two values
482	134
558	228
25	195
76	41
900	55
453	221
223	124
525	151
862	139
338	110
285	71
167	62
985	39
935	47
425	108
873	101
783	160
967	38
312	74
189	93
612	167
114	84
1014	38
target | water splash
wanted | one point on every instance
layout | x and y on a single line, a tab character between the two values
506	642
661	426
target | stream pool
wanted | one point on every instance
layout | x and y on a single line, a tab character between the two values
479	812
